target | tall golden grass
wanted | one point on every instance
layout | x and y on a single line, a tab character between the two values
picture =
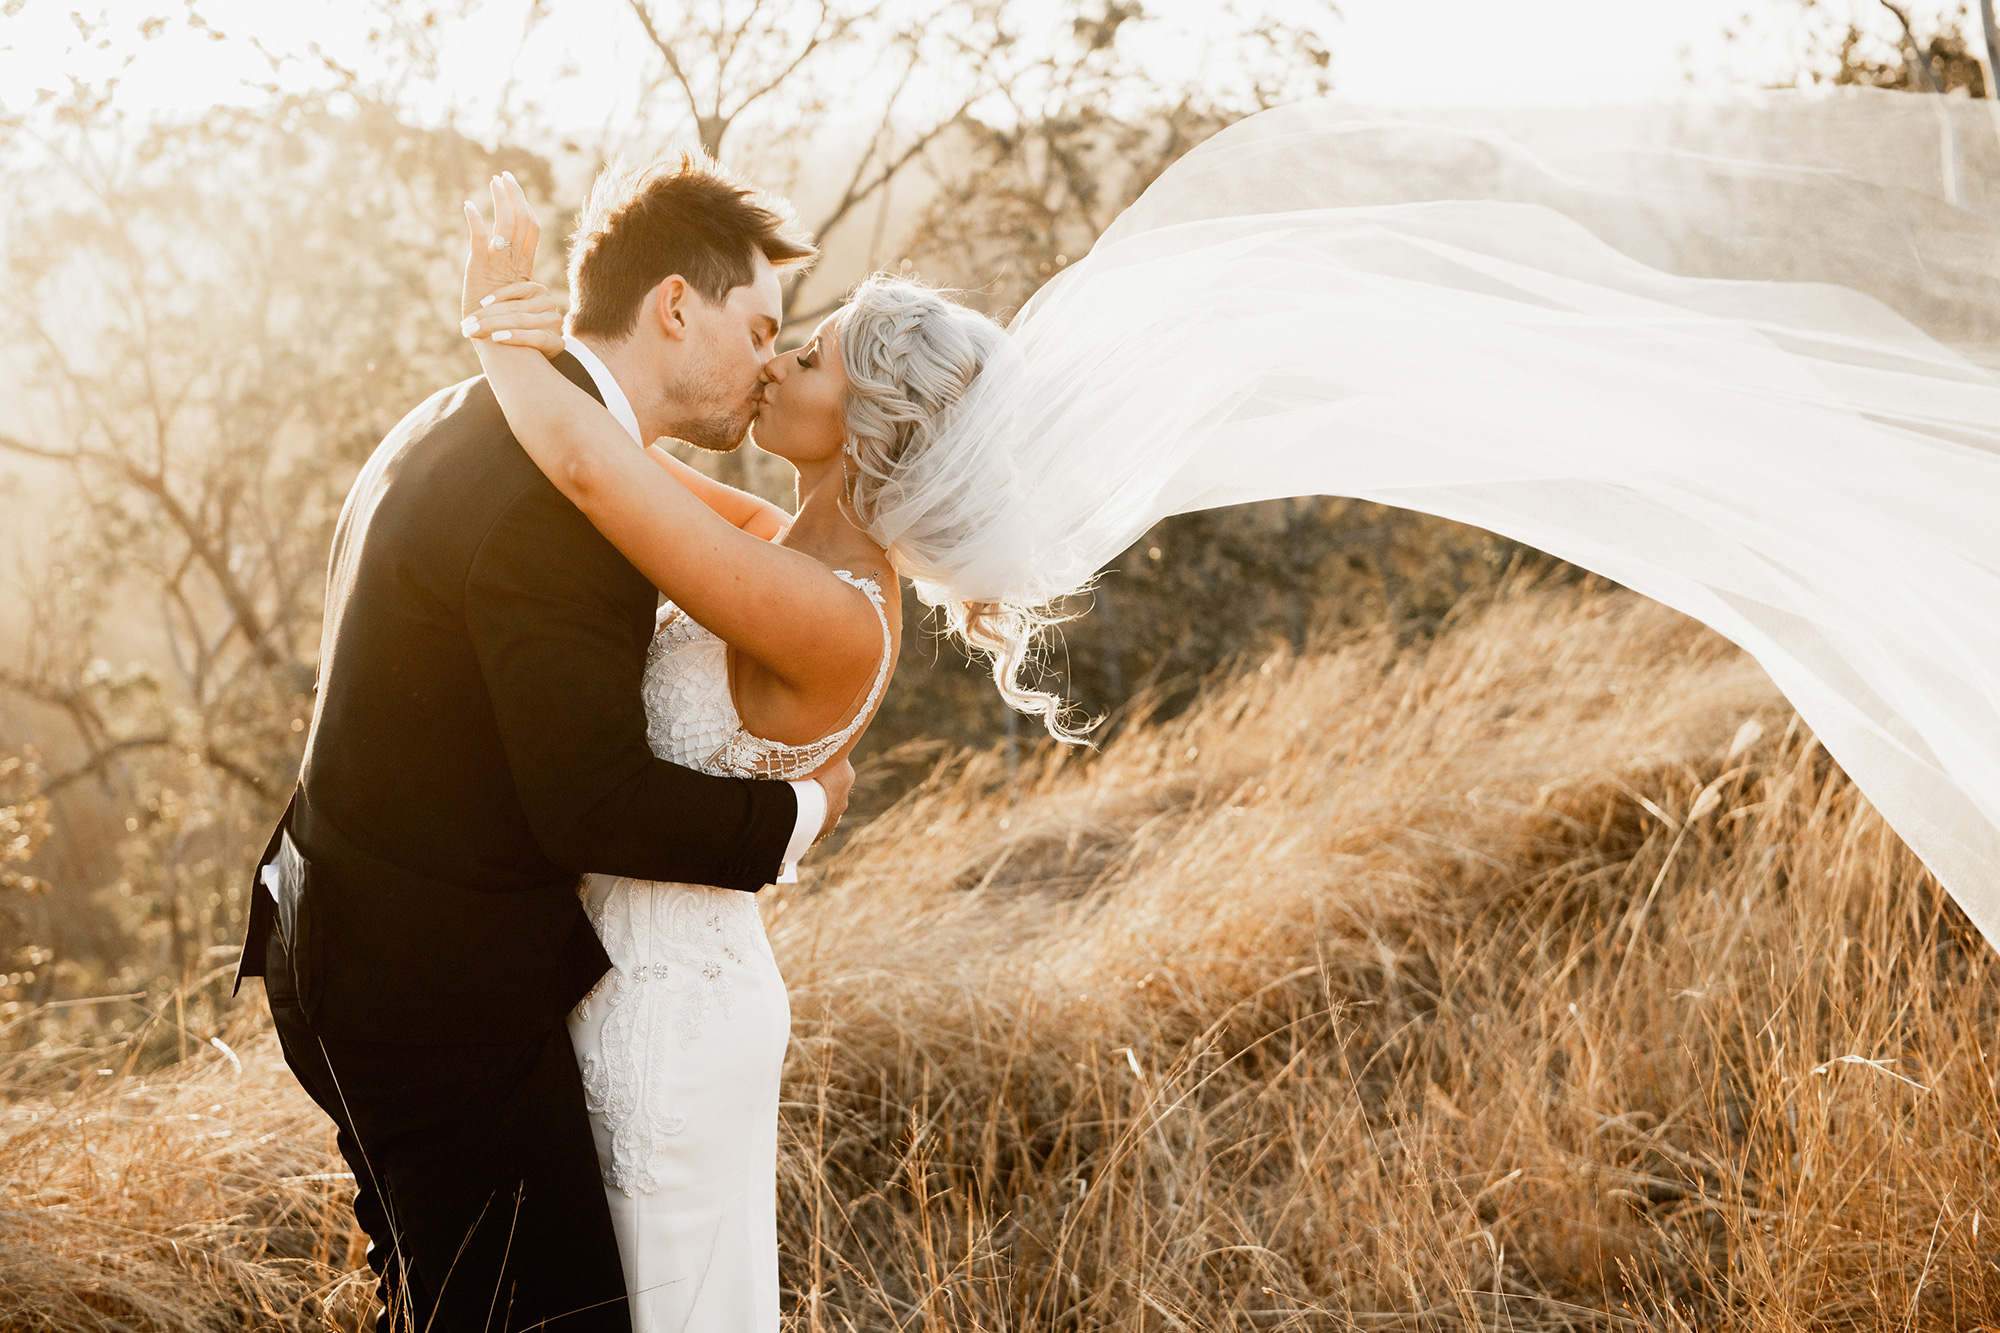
1547	975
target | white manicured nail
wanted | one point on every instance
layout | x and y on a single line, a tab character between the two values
485	301
469	325
505	335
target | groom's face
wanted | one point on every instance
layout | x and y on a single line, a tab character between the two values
714	389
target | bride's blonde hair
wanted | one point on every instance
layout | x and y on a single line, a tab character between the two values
911	353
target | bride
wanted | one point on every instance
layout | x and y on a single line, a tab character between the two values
1742	381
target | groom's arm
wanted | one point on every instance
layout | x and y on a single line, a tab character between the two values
557	650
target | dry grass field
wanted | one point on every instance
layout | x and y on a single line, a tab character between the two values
1545	976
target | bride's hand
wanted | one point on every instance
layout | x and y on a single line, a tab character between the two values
525	314
504	254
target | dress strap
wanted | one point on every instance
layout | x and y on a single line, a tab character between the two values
873	592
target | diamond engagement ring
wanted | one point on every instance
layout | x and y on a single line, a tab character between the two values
497	242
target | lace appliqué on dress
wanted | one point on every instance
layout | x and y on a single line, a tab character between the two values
671	944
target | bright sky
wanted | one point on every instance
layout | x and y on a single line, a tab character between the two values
587	59
1535	52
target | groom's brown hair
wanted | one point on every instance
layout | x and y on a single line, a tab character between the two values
685	215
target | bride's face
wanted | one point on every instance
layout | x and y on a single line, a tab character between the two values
802	416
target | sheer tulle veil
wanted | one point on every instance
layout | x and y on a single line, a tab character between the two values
1730	357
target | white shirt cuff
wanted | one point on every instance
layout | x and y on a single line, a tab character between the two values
812	814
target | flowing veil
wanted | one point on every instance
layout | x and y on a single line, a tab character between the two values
1733	358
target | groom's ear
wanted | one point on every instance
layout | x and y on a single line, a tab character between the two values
668	306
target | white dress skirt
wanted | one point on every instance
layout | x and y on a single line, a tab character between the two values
682	1044
681	1048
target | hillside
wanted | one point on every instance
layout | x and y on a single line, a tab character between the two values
1544	976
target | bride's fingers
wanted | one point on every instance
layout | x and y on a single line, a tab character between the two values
503	210
543	334
503	254
512	315
476	225
527	232
540	307
517	291
520	314
535	303
546	341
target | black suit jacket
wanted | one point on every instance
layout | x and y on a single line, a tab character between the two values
479	740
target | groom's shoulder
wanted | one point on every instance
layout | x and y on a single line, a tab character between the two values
453	459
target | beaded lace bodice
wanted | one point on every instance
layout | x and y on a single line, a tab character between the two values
692	719
675	947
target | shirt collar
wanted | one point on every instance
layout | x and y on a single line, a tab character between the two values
607	387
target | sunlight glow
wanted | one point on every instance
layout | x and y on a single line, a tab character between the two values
581	65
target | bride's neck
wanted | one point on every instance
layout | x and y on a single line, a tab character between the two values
820	525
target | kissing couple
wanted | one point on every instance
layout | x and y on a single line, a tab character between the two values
507	926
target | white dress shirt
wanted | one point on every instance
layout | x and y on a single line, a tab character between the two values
812	796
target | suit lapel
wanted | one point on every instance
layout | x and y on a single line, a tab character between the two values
573	371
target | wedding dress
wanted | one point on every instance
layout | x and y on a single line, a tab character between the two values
682	1043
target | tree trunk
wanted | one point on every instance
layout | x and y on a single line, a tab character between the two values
1947	132
711	129
1991	32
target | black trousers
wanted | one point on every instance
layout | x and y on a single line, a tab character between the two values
476	1177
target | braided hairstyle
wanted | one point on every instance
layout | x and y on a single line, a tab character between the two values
911	354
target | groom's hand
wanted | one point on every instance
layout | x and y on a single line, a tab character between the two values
838	781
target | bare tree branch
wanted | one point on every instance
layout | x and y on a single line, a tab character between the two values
856	193
644	14
1989	32
14	444
240	773
204	544
725	45
100	760
91	726
805	53
1915	48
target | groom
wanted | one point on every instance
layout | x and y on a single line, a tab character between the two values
479	742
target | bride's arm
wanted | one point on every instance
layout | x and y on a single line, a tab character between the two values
779	607
752	513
